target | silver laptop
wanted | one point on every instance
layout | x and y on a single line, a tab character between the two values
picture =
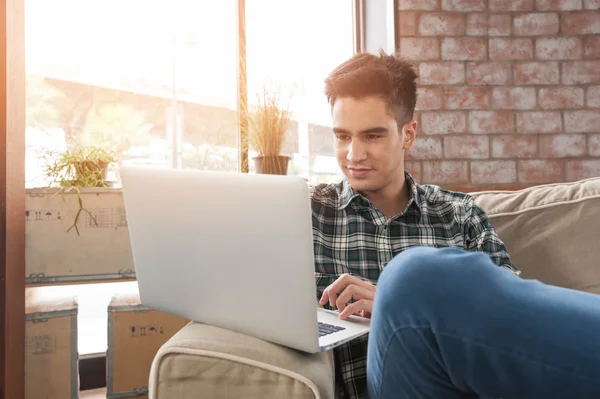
231	250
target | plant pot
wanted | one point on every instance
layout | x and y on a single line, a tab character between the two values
91	173
272	165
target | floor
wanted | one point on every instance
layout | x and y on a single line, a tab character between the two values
99	394
93	394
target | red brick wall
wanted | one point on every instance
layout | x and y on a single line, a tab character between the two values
509	90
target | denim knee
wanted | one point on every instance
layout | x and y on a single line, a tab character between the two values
423	279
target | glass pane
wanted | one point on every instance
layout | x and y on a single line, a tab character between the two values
291	48
155	82
111	73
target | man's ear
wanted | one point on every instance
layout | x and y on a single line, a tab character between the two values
409	133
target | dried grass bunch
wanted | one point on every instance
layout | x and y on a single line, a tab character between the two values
269	123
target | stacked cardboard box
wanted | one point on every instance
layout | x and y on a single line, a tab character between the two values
51	357
98	251
135	334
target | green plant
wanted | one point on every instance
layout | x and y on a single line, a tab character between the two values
76	168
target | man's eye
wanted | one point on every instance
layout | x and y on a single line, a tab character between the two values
373	137
342	137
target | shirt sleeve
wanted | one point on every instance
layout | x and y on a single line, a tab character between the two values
481	236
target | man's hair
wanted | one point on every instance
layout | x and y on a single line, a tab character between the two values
389	77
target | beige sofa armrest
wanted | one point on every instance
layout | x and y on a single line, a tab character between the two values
202	361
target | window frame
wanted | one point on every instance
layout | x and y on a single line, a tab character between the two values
12	200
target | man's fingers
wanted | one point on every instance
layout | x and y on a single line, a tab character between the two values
364	306
324	298
352	292
345	297
342	282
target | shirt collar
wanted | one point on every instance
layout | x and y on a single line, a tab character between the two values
348	194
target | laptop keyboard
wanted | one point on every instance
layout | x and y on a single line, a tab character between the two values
326	329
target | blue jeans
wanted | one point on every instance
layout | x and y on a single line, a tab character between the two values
451	324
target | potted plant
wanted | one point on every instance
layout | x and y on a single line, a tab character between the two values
76	168
269	124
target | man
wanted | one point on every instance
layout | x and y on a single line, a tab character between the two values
378	214
378	210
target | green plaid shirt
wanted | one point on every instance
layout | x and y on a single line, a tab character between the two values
351	236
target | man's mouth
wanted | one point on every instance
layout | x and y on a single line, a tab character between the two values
358	172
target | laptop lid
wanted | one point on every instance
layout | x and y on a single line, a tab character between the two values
228	249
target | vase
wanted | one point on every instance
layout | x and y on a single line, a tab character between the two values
272	165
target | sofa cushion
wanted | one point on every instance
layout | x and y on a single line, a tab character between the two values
552	231
211	362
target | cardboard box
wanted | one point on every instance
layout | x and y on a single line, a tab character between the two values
135	333
51	357
101	251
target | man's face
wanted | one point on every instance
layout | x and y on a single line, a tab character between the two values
369	148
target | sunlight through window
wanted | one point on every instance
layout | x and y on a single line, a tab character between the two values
155	83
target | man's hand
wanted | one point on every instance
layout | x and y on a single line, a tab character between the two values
346	288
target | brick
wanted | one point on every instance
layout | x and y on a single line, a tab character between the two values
558	5
591	4
422	49
591	47
537	73
486	24
466	98
488	73
583	169
414	168
514	147
593	97
562	145
407	23
558	48
426	148
445	172
539	122
463	5
441	24
594	145
443	122
580	23
441	73
511	49
536	24
580	72
464	49
511	5
541	171
513	98
491	122
584	121
418	5
483	172
471	147
565	97
429	98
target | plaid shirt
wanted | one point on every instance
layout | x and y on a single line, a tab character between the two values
351	236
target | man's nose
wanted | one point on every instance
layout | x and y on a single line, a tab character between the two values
356	152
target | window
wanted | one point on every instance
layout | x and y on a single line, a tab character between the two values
291	48
156	82
110	73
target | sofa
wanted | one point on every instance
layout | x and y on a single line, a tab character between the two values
551	231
